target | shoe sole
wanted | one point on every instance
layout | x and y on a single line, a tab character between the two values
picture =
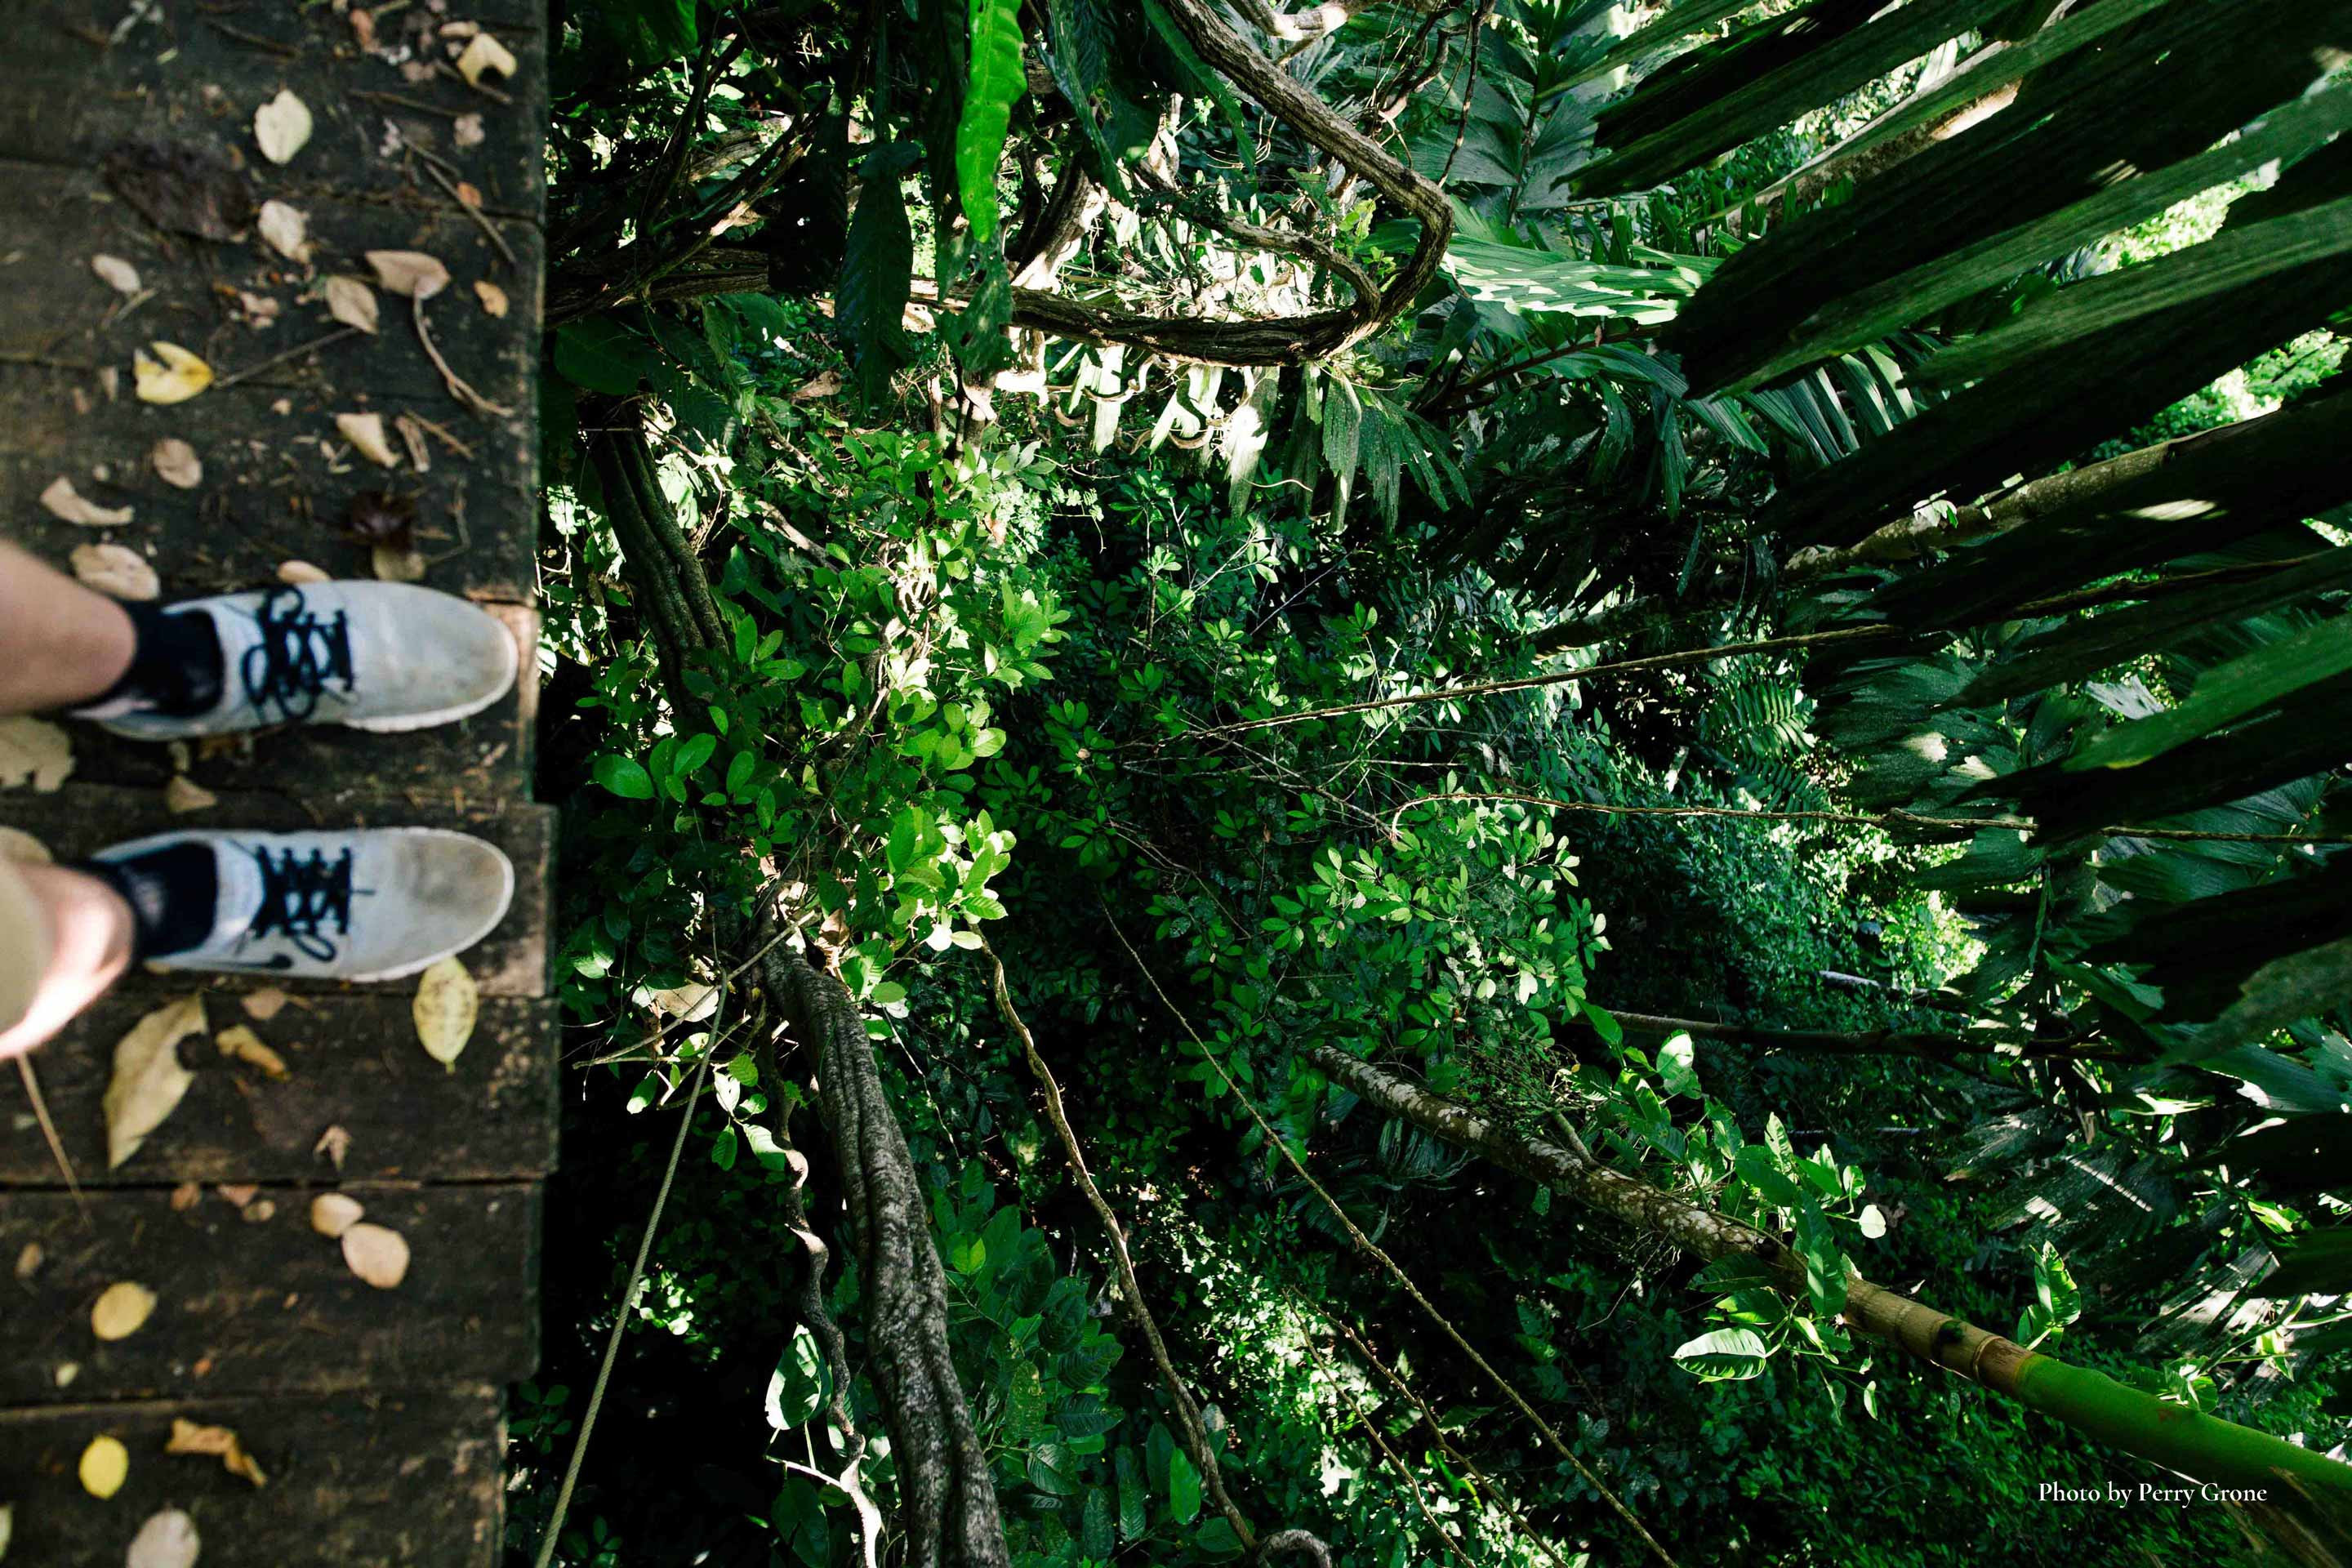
373	976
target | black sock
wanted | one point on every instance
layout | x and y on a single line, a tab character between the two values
176	665
174	893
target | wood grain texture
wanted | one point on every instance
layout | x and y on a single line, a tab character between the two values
403	1479
248	1305
80	819
353	1061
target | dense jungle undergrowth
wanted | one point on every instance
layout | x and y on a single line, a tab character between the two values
1379	783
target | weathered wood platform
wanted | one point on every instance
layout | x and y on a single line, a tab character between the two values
375	1414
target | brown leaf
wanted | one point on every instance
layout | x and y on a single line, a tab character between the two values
32	750
184	795
263	1004
241	1044
115	571
188	1437
66	503
493	297
121	1309
381	517
185	189
470	195
351	303
376	1255
176	463
185	1197
238	1193
117	274
29	1260
282	127
411	274
148	1079
332	1145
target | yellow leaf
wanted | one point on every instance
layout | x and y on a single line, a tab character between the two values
121	1308
376	1255
148	1078
444	1009
173	375
187	1437
105	1466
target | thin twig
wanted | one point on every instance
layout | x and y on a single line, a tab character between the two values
659	1036
254	40
481	219
454	74
49	1131
274	360
408	103
458	388
1372	1430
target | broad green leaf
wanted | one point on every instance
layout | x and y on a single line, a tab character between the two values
799	1385
1765	1178
1183	1488
878	270
1054	1469
996	84
601	356
1724	1355
2224	693
625	776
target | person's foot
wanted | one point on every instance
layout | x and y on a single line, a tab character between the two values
373	656
367	903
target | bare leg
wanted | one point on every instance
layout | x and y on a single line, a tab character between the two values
60	644
88	934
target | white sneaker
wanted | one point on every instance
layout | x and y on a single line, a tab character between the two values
366	903
374	655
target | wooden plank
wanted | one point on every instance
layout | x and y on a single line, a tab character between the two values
269	492
80	819
208	296
396	1479
188	80
353	1061
253	1301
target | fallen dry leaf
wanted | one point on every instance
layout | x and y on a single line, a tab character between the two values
185	1197
411	274
469	193
7	1527
66	1371
331	1214
376	1255
116	273
287	230
238	1194
22	848
445	1006
29	1260
301	572
257	1212
263	1004
184	795
411	435
493	297
483	55
34	751
332	1145
173	375
469	131
105	1466
362	29
121	1308
176	463
114	571
282	126
366	435
394	565
351	303
66	503
690	1003
241	1044
188	1437
824	384
257	311
168	1540
148	1079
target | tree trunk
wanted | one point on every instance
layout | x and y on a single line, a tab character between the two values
2317	1490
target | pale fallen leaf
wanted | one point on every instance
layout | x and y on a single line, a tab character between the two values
301	572
66	1371
176	463
483	55
241	1044
7	1528
148	1079
282	126
363	28
493	297
116	273
36	750
258	310
351	303
168	1540
331	1214
184	795
411	435
238	1194
469	129
376	1255
29	1260
185	1197
690	1003
287	230
444	1009
365	432
263	1004
115	571
824	384
171	376
332	1145
22	848
261	1210
398	565
67	503
105	1466
188	1437
411	274
121	1309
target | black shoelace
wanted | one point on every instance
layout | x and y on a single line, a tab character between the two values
299	653
301	894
